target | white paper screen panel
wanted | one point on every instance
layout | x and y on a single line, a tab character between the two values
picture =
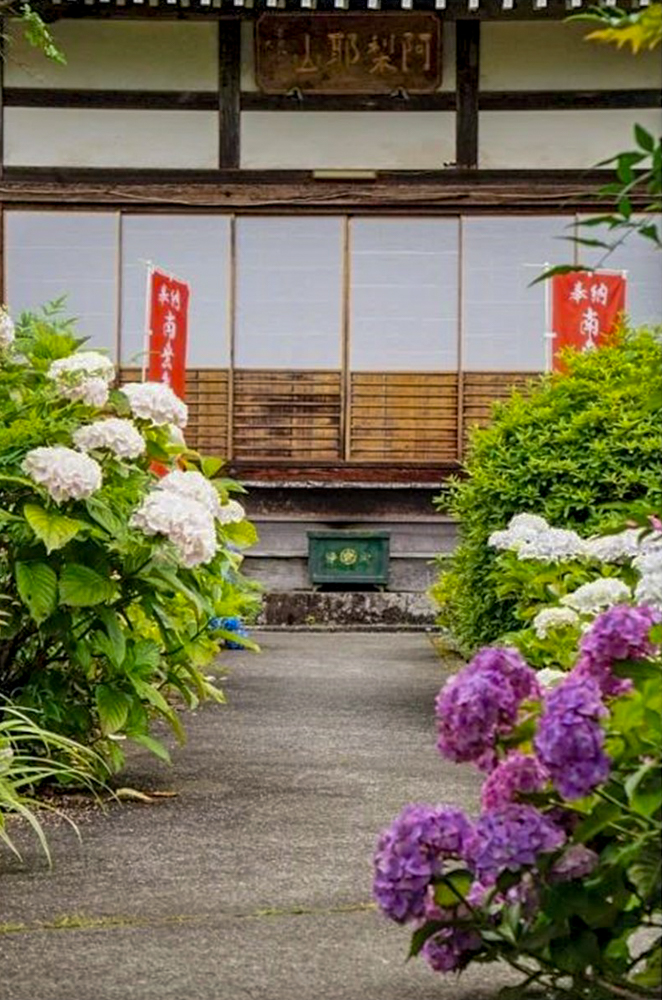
51	254
347	140
552	55
404	297
289	293
86	137
120	55
642	261
503	319
191	247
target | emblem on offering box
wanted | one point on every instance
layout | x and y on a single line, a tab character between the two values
336	54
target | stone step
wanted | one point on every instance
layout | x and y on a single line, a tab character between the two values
338	501
290	538
347	608
408	573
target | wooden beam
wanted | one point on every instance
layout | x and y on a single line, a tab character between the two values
133	100
570	100
467	35
2	100
443	192
498	100
229	74
487	10
190	100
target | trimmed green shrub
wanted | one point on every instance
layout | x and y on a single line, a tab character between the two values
580	449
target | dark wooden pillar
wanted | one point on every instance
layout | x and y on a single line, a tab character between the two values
3	53
467	34
229	56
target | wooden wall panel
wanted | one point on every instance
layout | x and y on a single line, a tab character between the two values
408	416
296	416
207	400
481	389
292	415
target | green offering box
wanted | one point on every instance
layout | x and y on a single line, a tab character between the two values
348	557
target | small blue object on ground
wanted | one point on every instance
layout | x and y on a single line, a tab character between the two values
229	625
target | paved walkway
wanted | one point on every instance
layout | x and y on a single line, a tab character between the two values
255	880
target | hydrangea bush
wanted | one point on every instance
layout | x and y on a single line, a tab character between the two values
577	449
560	873
557	590
111	575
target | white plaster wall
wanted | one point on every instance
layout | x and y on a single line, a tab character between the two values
120	55
381	140
248	56
557	139
51	254
503	317
552	55
248	81
83	137
194	248
404	298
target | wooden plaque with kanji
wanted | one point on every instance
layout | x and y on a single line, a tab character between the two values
335	54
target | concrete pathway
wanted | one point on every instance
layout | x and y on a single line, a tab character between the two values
255	880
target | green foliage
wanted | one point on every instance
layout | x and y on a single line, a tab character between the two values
30	755
102	630
639	29
637	183
579	448
35	30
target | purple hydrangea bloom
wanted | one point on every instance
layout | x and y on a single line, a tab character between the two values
509	838
576	862
570	739
480	703
619	634
411	852
525	892
451	948
519	772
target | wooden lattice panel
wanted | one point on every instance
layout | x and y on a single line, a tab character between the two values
409	416
293	415
207	400
481	389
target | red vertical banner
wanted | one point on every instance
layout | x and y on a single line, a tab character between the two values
168	329
586	306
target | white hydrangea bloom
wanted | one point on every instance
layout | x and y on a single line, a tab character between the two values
553	618
552	545
521	528
649	561
549	678
193	484
186	522
593	597
176	436
529	523
93	391
7	331
614	548
231	512
156	402
121	437
66	474
649	590
84	363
